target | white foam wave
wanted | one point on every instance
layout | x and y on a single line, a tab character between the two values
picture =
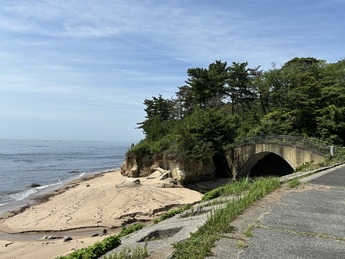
22	195
48	185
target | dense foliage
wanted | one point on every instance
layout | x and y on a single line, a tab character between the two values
221	103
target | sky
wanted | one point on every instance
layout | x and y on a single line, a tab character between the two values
81	69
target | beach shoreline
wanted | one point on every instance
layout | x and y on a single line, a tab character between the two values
83	208
42	195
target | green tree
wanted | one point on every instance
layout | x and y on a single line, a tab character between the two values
295	91
240	87
303	78
205	133
204	87
160	114
331	119
306	96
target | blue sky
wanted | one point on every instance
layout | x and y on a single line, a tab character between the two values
81	69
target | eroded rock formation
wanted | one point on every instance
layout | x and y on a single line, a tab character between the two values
181	171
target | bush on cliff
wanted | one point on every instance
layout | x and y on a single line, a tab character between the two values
203	134
149	148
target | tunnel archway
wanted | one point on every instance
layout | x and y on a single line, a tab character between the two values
266	164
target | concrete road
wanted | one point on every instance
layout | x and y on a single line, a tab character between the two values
308	222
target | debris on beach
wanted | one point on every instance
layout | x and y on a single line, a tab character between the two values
67	238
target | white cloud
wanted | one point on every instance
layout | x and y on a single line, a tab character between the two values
91	57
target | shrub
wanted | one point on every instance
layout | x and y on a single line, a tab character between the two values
128	230
100	248
96	250
213	194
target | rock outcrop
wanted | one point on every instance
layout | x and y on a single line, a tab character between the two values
167	167
129	182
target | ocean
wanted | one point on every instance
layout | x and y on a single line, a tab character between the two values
50	164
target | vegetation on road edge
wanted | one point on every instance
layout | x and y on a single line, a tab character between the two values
200	243
129	253
172	213
234	188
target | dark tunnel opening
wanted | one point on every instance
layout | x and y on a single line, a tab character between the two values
271	165
222	167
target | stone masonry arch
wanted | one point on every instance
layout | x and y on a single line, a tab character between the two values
245	155
254	159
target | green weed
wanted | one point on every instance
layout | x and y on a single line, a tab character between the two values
100	248
128	230
241	244
128	253
200	243
294	183
249	231
172	213
233	188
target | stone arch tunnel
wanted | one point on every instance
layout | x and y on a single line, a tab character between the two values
266	164
272	155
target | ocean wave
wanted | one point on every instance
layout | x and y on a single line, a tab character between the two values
48	185
22	195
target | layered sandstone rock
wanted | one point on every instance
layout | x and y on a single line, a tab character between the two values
167	167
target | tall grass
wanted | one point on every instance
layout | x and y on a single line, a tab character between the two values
233	188
200	243
130	253
172	213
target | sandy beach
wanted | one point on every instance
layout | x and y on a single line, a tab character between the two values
81	209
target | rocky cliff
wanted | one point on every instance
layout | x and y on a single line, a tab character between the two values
182	171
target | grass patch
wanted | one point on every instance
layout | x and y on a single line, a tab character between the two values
338	158
100	248
242	244
233	188
307	166
200	243
96	250
128	253
128	230
172	213
249	231
294	183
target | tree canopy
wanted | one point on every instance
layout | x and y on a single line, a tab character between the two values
221	103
